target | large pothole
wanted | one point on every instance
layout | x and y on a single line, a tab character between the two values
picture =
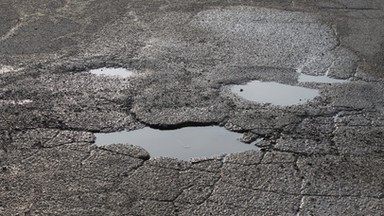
184	143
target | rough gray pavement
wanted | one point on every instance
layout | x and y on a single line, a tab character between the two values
325	157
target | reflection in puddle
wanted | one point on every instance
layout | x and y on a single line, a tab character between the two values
184	143
119	72
274	93
319	79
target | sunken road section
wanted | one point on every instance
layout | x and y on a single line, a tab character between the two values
322	157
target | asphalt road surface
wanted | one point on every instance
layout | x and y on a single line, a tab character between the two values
322	157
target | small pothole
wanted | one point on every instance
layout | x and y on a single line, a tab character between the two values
274	93
184	143
16	102
114	72
319	79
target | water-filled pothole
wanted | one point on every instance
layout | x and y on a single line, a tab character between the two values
319	79
6	69
184	143
274	93
16	102
116	72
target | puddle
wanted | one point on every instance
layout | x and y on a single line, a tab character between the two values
116	72
184	143
16	102
274	93
6	69
319	79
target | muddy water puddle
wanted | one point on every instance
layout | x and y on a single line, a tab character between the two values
274	93
184	143
114	72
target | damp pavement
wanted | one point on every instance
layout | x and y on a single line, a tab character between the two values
321	157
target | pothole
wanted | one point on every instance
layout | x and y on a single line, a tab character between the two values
6	69
114	72
274	93
16	102
319	79
184	143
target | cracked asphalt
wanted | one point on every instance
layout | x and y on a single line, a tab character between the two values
325	157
